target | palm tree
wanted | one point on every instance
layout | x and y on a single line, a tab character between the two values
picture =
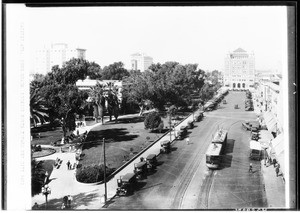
97	98
38	109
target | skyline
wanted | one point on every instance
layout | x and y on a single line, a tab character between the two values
182	34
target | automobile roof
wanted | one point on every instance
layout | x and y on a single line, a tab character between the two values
151	156
128	176
140	164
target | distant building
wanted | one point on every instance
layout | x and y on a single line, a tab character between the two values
140	61
239	70
55	54
87	84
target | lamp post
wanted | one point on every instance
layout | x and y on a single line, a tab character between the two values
46	191
104	161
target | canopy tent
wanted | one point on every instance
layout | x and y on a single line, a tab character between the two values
255	145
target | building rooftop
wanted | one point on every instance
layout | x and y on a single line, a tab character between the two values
240	50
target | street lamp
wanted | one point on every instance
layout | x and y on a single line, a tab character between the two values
46	191
104	161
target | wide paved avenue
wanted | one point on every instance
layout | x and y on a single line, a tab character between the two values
182	180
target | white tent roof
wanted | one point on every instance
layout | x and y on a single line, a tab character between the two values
255	145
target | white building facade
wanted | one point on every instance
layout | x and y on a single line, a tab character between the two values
55	54
140	61
239	70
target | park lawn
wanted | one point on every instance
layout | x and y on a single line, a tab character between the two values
129	133
48	166
48	135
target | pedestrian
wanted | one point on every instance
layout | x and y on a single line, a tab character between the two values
65	201
250	168
187	140
277	171
77	132
35	206
69	201
68	164
63	206
274	162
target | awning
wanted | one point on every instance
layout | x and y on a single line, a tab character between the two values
278	147
255	145
270	121
278	144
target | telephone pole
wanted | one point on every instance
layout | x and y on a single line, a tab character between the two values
105	195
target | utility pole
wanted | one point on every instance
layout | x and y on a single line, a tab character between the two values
170	121
105	195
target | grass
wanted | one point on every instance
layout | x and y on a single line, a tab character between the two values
49	135
44	152
121	138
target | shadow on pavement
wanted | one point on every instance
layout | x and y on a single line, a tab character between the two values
173	149
140	185
229	146
78	200
226	161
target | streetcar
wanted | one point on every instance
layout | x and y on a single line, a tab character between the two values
213	155
220	137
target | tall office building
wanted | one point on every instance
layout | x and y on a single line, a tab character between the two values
55	54
239	70
140	61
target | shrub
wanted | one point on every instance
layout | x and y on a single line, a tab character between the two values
92	174
152	120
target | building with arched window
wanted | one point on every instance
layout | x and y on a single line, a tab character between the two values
239	70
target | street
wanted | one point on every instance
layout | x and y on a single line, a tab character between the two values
182	180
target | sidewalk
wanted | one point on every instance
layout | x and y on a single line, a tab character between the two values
274	187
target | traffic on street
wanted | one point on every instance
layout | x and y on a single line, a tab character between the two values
181	178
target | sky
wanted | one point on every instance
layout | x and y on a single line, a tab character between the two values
202	35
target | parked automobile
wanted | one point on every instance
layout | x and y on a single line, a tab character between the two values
140	170
165	146
126	184
198	116
190	124
182	132
151	162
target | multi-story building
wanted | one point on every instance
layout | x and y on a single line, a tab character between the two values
239	70
140	61
55	54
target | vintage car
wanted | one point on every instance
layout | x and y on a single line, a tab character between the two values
126	184
165	146
151	162
254	127
198	116
254	136
140	170
182	132
246	126
190	124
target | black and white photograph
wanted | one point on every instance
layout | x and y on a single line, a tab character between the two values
149	108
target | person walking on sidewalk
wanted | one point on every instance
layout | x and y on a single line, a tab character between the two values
250	168
187	140
277	171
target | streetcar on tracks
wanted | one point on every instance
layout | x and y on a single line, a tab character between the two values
216	149
213	155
